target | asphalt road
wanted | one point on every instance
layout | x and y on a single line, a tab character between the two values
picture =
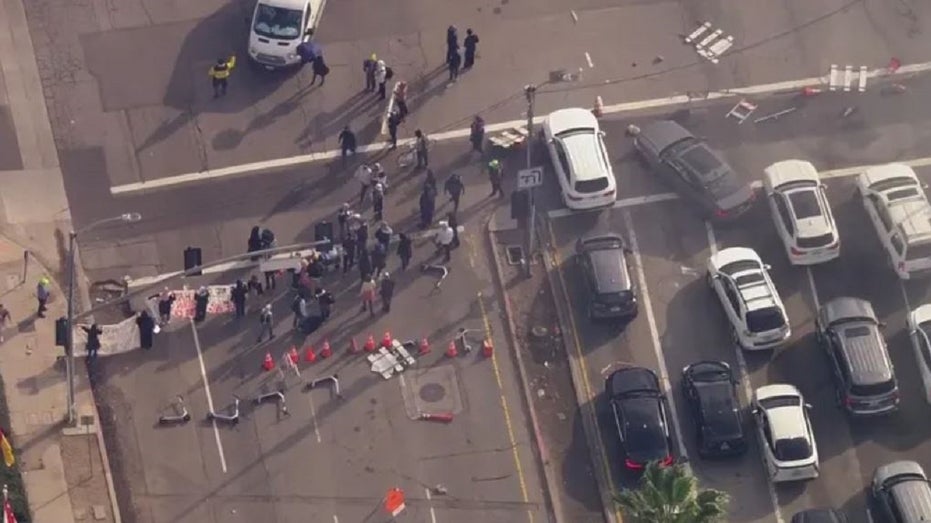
674	244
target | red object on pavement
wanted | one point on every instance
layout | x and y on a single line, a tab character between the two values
10	517
894	64
424	346
354	347
369	344
394	501
309	355
452	351
445	417
268	363
386	340
325	350
487	348
810	91
295	357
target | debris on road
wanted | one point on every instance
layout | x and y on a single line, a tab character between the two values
741	111
776	115
443	417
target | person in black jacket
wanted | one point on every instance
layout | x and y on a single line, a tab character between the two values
365	263
200	303
238	294
469	42
146	329
349	252
405	250
255	242
93	340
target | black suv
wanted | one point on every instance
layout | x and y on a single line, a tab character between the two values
864	378
603	259
641	417
710	388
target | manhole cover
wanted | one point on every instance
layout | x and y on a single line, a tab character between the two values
432	392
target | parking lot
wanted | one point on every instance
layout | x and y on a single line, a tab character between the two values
681	320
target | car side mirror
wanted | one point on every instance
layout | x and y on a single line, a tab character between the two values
882	325
808	406
767	266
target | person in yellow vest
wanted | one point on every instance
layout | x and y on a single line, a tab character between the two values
219	74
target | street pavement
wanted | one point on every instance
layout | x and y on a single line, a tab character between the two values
673	245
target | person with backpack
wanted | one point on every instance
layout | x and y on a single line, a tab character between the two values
93	340
455	188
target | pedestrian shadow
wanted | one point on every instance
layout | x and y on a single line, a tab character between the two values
329	123
231	138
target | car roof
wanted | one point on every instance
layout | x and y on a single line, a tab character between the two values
912	215
866	355
896	468
787	422
609	271
788	172
880	173
734	254
585	156
571	118
719	406
846	307
288	4
632	379
663	133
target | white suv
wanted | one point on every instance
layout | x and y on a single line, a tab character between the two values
895	200
749	298
801	212
919	328
580	159
786	439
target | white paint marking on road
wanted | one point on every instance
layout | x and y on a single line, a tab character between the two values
203	374
619	204
654	331
857	169
432	510
814	289
335	519
313	417
575	17
281	163
744	376
588	60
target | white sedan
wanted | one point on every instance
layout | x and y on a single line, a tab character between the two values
801	212
786	439
580	159
919	329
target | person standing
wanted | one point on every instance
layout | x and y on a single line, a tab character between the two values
219	74
427	208
444	241
299	308
255	242
387	292
362	239
379	259
254	285
165	300
5	319
400	99
383	234
455	62
239	294
93	341
349	252
455	189
320	69
381	78
347	142
342	218
325	301
266	322
420	147
477	133
201	298
146	329
469	43
429	182
378	202
368	67
452	42
494	176
367	293
270	280
394	120
364	177
365	264
42	295
405	250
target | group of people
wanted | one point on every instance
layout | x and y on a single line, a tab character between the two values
454	61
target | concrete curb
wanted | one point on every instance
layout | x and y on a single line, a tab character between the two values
549	475
586	405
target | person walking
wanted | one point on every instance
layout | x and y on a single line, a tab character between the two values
368	67
299	308
347	142
444	241
427	208
454	64
364	177
383	234
494	176
93	341
43	292
254	285
342	218
400	99
271	280
201	299
420	145
349	252
320	69
378	202
381	78
386	290
379	259
365	264
165	300
367	293
146	325
405	250
455	189
452	42
454	225
325	301
5	319
477	133
255	242
239	294
469	43
306	51
266	322
429	182
362	239
394	120
219	74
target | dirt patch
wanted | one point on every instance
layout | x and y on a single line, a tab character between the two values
84	474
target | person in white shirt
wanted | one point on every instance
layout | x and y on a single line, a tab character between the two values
444	240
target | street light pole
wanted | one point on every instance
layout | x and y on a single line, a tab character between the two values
530	92
69	335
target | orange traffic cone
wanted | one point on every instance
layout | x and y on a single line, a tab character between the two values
445	417
309	355
487	348
386	340
369	344
424	346
452	351
354	347
295	357
326	351
268	363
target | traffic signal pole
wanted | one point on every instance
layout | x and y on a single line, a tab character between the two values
530	92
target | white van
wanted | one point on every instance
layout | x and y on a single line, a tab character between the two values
277	28
895	200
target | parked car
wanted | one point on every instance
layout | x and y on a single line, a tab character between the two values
580	159
901	493
641	417
895	201
753	307
277	28
864	379
919	328
693	169
711	392
819	515
790	452
603	261
801	212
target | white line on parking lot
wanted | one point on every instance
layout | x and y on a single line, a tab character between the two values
619	204
432	510
654	332
588	60
746	385
335	519
203	374
280	163
313	418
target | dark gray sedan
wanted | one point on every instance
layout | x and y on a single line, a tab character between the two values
694	169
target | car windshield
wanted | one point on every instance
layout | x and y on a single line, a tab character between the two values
776	402
765	319
740	266
792	449
277	22
590	186
805	204
615	298
575	131
710	374
893	183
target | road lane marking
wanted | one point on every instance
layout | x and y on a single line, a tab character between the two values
619	204
744	376
280	163
313	417
507	411
586	384
432	510
203	374
335	519
654	332
588	60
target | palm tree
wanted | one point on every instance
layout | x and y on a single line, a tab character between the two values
671	495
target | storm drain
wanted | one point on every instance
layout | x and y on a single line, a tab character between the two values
515	254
